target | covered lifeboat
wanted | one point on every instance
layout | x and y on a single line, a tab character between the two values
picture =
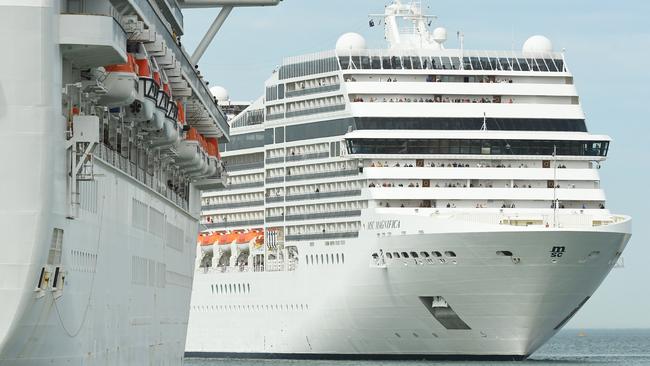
120	82
207	241
247	240
192	156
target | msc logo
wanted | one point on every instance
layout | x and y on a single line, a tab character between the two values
557	252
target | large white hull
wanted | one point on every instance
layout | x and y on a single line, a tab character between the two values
126	295
123	297
362	309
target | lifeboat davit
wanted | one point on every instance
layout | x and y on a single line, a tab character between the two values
162	98
120	82
143	107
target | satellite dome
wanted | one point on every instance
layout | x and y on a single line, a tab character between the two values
350	43
440	35
537	44
219	92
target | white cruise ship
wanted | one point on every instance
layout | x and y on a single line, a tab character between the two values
108	133
410	202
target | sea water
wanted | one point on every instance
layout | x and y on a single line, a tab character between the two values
568	347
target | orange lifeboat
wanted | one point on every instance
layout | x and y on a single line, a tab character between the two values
228	238
192	158
120	83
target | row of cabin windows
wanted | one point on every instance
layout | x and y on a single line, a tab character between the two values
451	63
412	254
316	259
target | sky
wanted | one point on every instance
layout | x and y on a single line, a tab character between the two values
607	45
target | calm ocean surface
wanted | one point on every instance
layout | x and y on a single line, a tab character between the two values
596	347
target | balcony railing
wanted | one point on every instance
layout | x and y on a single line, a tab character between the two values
275	180
274	199
273	116
279	159
304	112
245	185
318	89
215	225
247	166
339	173
129	168
323	215
232	205
300	157
326	235
320	195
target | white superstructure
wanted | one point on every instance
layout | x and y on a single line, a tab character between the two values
108	133
410	202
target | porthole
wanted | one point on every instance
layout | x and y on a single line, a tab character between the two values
504	253
405	255
342	258
248	287
337	258
389	256
450	253
414	254
397	335
396	255
424	254
436	253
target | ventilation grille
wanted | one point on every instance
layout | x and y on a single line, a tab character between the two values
88	195
174	237
139	217
148	272
156	222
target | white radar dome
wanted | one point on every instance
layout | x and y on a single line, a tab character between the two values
220	93
537	44
350	43
440	35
